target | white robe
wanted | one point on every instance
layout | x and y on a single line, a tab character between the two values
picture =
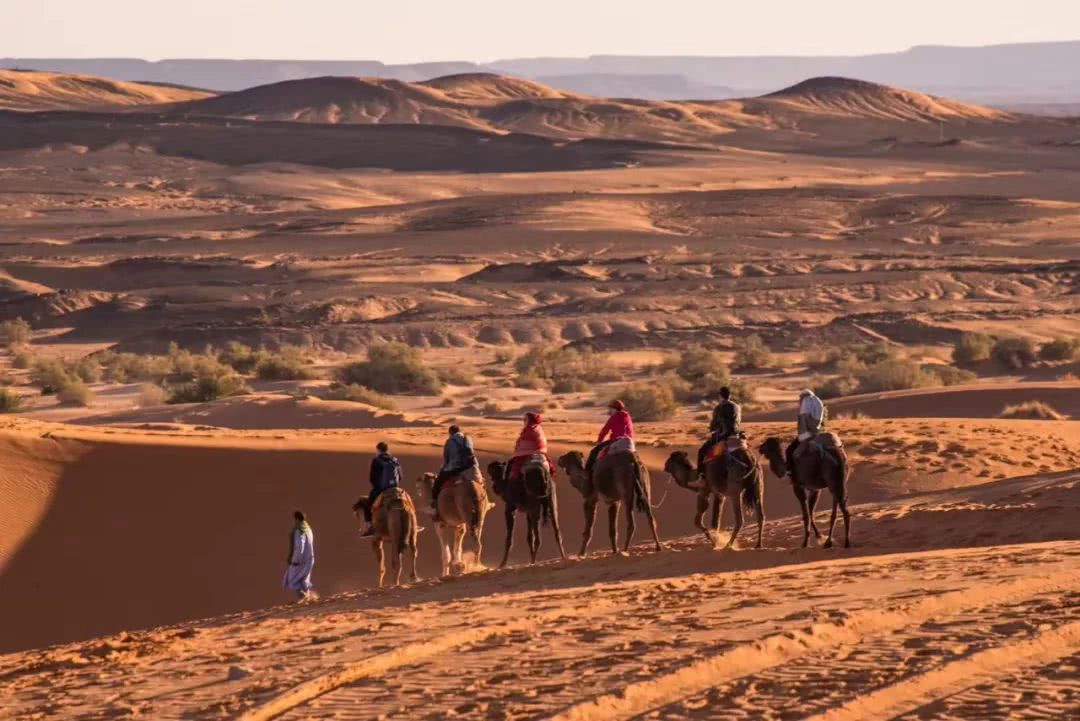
298	574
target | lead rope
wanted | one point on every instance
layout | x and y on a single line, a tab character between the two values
667	488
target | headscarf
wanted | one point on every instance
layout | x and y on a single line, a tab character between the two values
617	405
533	419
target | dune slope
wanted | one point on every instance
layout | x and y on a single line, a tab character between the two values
35	90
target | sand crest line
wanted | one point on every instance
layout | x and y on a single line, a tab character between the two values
774	650
411	653
913	693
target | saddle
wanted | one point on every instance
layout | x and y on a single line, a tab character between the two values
392	495
619	445
469	475
732	446
537	459
823	443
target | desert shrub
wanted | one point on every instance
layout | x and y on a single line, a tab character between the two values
50	375
209	387
392	368
150	395
751	352
972	348
570	385
88	370
10	401
241	358
529	381
288	364
950	375
360	394
563	365
14	332
835	386
1060	349
650	401
1036	410
704	371
895	375
504	355
1014	353
75	392
6	379
456	376
22	359
130	367
491	373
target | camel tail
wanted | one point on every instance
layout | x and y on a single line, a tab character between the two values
752	490
399	526
474	520
641	498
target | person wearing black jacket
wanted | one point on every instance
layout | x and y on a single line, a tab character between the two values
385	474
726	423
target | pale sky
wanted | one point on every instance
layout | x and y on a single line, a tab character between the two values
398	31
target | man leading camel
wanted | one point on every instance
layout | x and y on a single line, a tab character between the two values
811	421
459	455
385	474
726	423
619	426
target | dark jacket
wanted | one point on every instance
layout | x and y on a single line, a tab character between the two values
726	419
458	453
385	472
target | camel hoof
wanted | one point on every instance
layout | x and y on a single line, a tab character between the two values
659	547
827	544
848	544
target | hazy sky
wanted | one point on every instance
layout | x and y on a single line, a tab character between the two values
415	30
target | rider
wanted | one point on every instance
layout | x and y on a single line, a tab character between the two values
811	422
726	423
458	457
530	442
619	425
385	474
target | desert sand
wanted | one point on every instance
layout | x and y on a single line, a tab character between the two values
474	217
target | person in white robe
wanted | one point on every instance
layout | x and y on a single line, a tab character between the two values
301	560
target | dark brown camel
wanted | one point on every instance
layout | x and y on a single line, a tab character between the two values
618	479
815	470
739	479
533	493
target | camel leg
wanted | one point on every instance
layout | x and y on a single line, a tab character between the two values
554	512
847	522
736	505
760	513
832	522
413	553
534	532
652	524
716	514
474	533
721	499
395	563
631	525
613	530
458	552
807	518
376	545
444	546
509	535
699	515
814	496
590	519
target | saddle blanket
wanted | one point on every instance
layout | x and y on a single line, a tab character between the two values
619	445
730	445
392	494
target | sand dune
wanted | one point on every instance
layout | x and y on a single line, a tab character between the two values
30	90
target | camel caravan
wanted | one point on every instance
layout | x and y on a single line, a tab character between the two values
727	469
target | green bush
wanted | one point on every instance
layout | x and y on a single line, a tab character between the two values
209	387
241	358
972	348
129	367
88	370
570	385
561	366
22	359
10	401
150	395
50	376
852	359
836	386
752	353
1014	353
14	332
704	371
360	394
650	401
1060	349
504	355
895	375
950	375
456	376
288	364
392	368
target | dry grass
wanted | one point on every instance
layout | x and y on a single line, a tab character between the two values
1034	410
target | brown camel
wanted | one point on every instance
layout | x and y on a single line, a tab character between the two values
617	479
737	478
463	504
815	470
532	492
394	522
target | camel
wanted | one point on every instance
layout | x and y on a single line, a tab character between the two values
815	471
740	481
617	479
532	492
395	522
462	507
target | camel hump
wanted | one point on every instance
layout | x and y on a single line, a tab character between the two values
828	440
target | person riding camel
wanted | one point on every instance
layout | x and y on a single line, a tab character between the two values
459	455
385	474
530	442
811	421
726	423
619	425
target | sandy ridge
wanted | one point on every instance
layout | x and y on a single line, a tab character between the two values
981	667
643	696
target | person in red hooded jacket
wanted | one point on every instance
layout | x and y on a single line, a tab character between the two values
530	442
619	425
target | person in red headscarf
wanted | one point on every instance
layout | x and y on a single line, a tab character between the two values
619	425
530	442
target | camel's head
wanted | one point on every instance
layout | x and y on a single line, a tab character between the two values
425	483
679	467
773	449
359	506
572	462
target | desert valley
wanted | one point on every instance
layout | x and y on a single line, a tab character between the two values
215	304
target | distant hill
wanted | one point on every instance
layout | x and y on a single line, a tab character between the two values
34	90
1013	72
